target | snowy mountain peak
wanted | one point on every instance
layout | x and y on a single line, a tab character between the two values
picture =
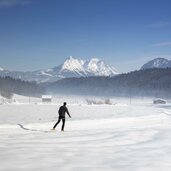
156	63
91	67
72	64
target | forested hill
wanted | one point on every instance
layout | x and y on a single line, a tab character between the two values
10	85
150	82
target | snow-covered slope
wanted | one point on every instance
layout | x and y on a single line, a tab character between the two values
169	64
70	68
97	67
121	137
157	63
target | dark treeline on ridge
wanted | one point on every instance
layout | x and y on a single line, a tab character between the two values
149	82
9	85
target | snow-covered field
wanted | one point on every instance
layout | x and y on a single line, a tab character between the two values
120	137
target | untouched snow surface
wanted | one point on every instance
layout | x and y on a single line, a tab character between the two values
120	137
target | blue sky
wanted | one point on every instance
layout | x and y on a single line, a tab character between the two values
38	34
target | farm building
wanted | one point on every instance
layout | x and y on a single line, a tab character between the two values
159	101
46	98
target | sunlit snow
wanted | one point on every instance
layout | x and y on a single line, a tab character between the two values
129	135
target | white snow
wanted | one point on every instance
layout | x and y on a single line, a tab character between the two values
45	73
121	137
72	64
99	68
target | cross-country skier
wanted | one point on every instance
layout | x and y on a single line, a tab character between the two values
62	110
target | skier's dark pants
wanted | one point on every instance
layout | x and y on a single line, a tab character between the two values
63	123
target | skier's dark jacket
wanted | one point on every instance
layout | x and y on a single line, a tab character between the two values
62	111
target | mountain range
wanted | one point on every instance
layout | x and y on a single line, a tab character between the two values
71	67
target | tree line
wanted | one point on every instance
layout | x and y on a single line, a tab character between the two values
149	82
9	86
